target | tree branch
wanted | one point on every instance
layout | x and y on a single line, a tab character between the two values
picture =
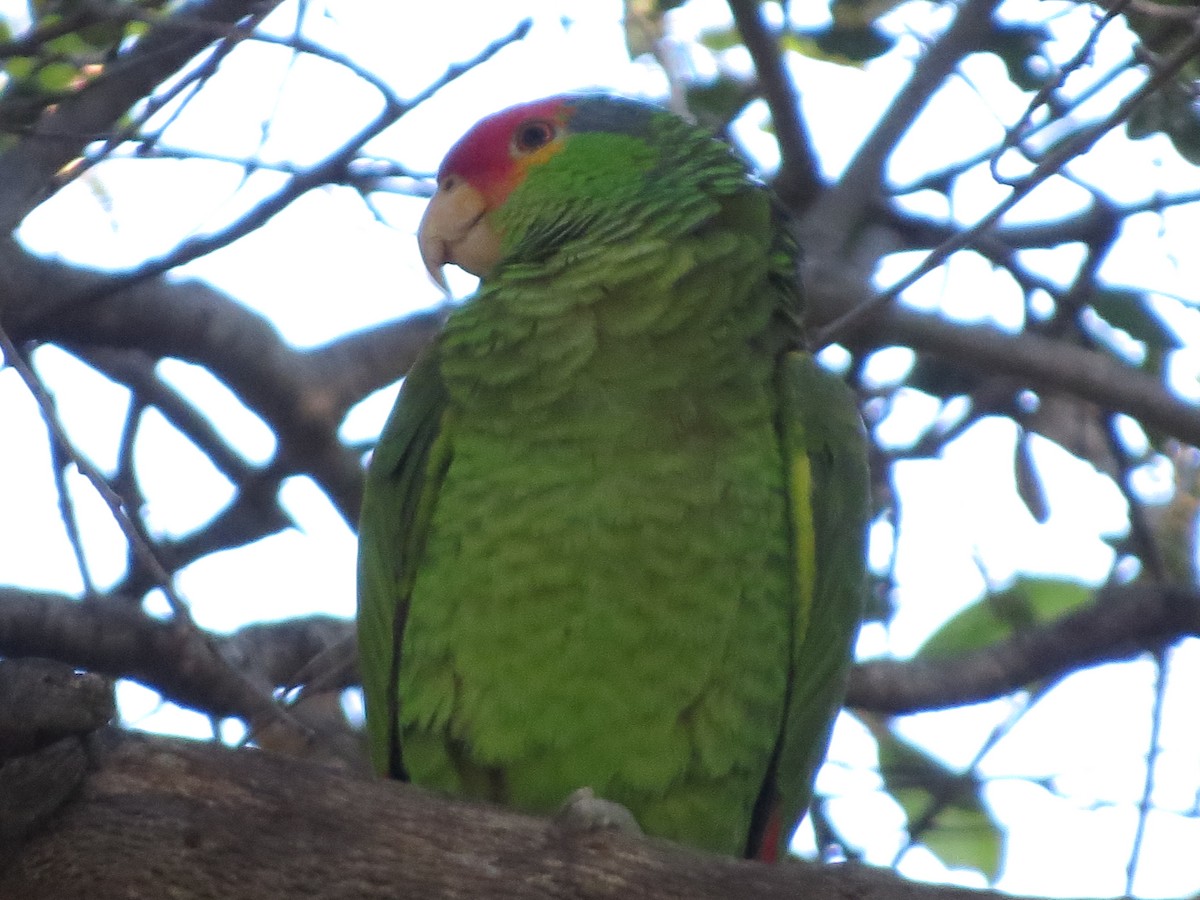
218	822
799	181
301	394
1123	622
861	185
115	638
28	171
110	638
333	169
1039	362
1053	163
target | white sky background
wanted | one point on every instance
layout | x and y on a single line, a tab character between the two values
326	267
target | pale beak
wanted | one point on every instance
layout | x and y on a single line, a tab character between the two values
455	230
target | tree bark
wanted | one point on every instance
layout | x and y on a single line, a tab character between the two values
162	817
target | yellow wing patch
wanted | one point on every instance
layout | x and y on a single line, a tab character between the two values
805	537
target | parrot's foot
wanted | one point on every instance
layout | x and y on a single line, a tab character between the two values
584	811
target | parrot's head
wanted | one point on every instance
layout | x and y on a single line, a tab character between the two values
529	177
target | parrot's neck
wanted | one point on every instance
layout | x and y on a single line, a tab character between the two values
645	327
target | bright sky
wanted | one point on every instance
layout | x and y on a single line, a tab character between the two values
327	266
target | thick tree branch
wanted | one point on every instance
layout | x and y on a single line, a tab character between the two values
42	701
228	823
117	639
112	636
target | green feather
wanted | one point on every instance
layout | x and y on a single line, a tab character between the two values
612	535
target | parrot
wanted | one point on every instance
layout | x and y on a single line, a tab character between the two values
613	532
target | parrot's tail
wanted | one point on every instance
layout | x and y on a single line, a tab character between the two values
768	846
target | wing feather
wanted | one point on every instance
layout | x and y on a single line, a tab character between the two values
401	491
825	459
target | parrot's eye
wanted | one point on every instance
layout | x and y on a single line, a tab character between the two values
533	135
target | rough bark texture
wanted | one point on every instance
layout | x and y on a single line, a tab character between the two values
161	817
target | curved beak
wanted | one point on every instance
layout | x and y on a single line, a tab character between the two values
455	230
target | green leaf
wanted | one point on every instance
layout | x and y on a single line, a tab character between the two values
857	44
966	838
69	44
103	36
939	378
56	78
906	768
1185	136
995	617
1132	312
719	39
718	102
1018	45
945	809
1170	111
20	67
1029	481
844	45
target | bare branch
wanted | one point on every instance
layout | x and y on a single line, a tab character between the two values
1039	362
301	394
29	169
117	639
1050	165
244	823
140	548
335	168
798	182
42	701
1123	622
110	638
861	185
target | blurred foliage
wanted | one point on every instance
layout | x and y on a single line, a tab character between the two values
1162	27
1176	523
67	44
1132	312
944	808
644	24
1021	47
997	615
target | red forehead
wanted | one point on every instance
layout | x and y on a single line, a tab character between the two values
485	149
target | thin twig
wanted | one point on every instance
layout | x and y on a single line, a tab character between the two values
332	169
142	552
187	636
1013	136
59	462
1152	752
1049	166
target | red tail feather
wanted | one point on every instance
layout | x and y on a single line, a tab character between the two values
768	847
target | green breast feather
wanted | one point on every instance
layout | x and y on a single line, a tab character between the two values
612	535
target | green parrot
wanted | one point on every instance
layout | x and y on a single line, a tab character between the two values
612	534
